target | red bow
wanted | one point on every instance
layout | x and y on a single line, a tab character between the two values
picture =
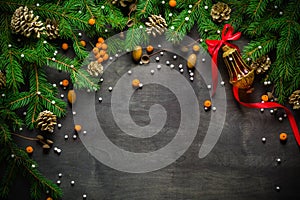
215	45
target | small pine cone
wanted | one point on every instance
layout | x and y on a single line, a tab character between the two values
156	24
25	23
294	99
220	12
2	80
52	30
46	121
261	65
95	68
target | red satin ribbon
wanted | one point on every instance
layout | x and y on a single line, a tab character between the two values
215	45
271	105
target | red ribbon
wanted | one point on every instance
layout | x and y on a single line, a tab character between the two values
271	105
215	45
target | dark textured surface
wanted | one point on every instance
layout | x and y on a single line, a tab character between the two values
239	167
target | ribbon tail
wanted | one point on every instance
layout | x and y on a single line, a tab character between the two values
271	105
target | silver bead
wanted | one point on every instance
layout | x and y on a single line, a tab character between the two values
152	71
203	59
167	62
158	66
209	86
222	83
129	72
159	45
84	132
74	112
141	85
214	108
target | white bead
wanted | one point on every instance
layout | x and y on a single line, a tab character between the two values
72	66
33	165
100	99
167	62
157	59
74	113
84	196
163	2
230	58
12	155
9	45
201	40
186	18
278	160
277	188
214	108
74	137
248	59
79	34
259	47
265	83
203	59
161	53
58	151
58	182
141	85
22	55
20	129
53	59
141	62
280	13
158	66
141	26
269	82
172	27
271	111
117	55
191	78
106	30
190	6
37	4
170	14
174	57
205	30
60	175
84	132
181	70
101	80
218	31
111	58
110	89
59	125
275	7
280	118
102	7
209	86
53	102
72	182
172	66
66	137
45	42
152	71
189	11
262	110
55	148
55	51
191	74
222	83
263	139
205	7
159	45
3	95
62	96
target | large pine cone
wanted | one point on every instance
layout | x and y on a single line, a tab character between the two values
25	23
52	30
261	65
95	68
294	99
2	80
220	12
46	121
156	24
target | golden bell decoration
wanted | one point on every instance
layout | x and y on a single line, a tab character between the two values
241	75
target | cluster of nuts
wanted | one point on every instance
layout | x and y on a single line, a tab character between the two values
100	51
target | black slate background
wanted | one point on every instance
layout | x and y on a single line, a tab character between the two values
239	167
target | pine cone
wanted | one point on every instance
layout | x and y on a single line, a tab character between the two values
156	24
2	80
294	99
261	65
220	11
95	68
25	23
46	121
52	30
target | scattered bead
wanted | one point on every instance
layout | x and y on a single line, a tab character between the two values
55	148
275	7
59	125
189	11
214	108
172	27
33	166
218	31
158	66
262	110
102	7
101	80
191	74
167	62
174	57
22	55
205	7
277	188
12	155
159	45
24	113
203	59
20	129
248	59
265	83
141	62
181	70
110	89
100	99
74	137
62	96
230	58
84	132
190	6
186	18
161	53
79	34
278	160
180	66
163	2
58	151
53	102
263	139
58	182
269	82
152	71
271	111
141	85
280	118
222	83
157	59
280	13
191	78
283	136
66	137
111	58
170	14
72	183
9	45
172	66
45	41
59	175
74	113
84	196
37	4
259	47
